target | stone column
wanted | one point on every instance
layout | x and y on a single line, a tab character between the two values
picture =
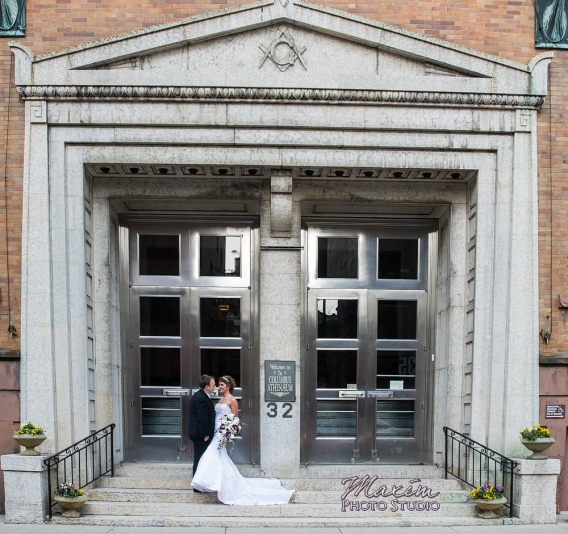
25	485
535	490
280	312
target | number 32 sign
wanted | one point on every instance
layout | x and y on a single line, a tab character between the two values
273	410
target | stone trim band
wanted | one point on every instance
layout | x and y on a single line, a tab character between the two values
72	92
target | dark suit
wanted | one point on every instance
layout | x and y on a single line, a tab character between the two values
201	424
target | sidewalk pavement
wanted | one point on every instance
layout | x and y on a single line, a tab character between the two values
561	527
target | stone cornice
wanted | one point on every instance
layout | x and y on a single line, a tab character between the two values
277	95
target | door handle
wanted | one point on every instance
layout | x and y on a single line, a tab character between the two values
175	392
351	393
381	394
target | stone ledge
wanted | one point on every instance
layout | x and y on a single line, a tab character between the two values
553	360
6	354
16	462
537	467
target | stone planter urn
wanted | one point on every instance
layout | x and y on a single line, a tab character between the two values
537	447
488	508
71	506
30	441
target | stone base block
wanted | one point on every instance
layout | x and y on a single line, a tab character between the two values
18	512
25	486
535	491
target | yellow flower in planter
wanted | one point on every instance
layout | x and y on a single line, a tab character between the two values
487	493
533	433
29	429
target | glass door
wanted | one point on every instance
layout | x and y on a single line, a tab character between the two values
366	365
190	314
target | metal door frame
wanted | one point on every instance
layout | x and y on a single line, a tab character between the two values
208	224
342	227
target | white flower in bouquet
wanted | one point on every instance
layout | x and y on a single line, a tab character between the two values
229	427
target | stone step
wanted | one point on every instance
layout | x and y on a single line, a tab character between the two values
407	472
189	496
276	511
283	522
171	470
303	484
334	497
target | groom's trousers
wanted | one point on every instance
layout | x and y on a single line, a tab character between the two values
199	447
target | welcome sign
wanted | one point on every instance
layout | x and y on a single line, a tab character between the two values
279	381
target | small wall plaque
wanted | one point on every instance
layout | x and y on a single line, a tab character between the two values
555	411
279	381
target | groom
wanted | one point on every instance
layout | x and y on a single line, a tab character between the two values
201	418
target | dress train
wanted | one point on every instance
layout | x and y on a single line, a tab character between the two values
217	472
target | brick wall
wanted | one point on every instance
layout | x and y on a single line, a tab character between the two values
10	412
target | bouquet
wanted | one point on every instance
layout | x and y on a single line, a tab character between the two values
70	491
229	427
533	433
488	493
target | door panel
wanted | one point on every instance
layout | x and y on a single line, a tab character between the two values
366	363
190	314
162	374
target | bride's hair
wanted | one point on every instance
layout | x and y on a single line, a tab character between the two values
230	381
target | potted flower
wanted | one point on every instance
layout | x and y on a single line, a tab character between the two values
488	499
536	439
29	436
70	499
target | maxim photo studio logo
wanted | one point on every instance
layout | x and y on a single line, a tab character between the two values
368	494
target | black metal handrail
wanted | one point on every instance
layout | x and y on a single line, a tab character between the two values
491	467
81	463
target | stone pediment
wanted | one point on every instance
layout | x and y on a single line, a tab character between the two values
281	56
274	45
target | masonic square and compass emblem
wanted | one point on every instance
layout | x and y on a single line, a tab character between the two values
283	51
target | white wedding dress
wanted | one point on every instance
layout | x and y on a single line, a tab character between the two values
217	472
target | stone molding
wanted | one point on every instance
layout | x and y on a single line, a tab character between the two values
284	95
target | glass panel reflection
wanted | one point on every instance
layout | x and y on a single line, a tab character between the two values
336	418
219	362
337	257
159	316
160	366
220	256
161	416
159	255
220	317
398	259
337	319
397	319
337	369
396	369
395	419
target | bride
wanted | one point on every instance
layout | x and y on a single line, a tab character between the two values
217	472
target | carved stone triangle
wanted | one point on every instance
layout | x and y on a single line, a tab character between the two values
284	2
